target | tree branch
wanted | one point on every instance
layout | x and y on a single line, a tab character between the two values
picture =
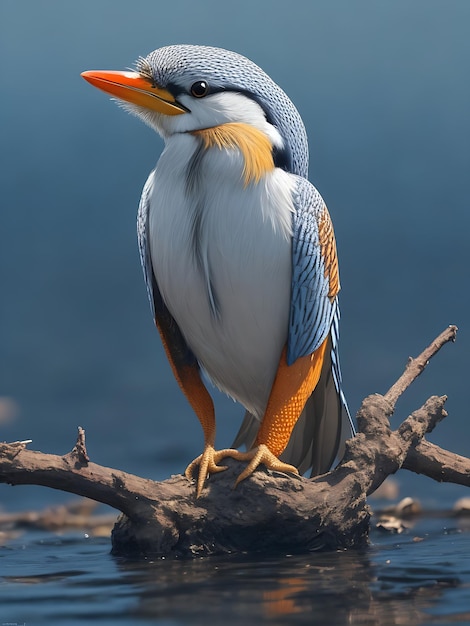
71	473
439	464
269	510
416	366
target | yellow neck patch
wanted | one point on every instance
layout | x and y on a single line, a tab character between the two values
252	143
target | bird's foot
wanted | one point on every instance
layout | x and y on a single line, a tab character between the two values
261	454
208	460
207	463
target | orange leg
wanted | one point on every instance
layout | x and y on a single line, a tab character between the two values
188	376
194	389
291	389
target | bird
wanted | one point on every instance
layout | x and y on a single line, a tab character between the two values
239	257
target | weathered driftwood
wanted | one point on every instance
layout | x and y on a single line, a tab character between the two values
269	511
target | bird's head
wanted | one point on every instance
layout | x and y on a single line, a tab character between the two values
184	88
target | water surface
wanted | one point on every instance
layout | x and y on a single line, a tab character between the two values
419	577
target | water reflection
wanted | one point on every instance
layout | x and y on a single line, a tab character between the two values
421	576
339	588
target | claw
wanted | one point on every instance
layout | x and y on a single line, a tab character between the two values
262	454
207	463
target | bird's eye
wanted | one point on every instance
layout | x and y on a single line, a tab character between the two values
199	89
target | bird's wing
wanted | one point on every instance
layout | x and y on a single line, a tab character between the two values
142	238
315	277
184	364
325	423
176	348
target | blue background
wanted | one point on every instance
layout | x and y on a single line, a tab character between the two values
384	90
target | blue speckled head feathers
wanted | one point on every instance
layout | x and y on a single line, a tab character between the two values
177	67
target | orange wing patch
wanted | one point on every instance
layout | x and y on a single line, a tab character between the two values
254	145
328	250
291	389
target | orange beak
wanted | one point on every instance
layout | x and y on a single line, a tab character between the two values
132	87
